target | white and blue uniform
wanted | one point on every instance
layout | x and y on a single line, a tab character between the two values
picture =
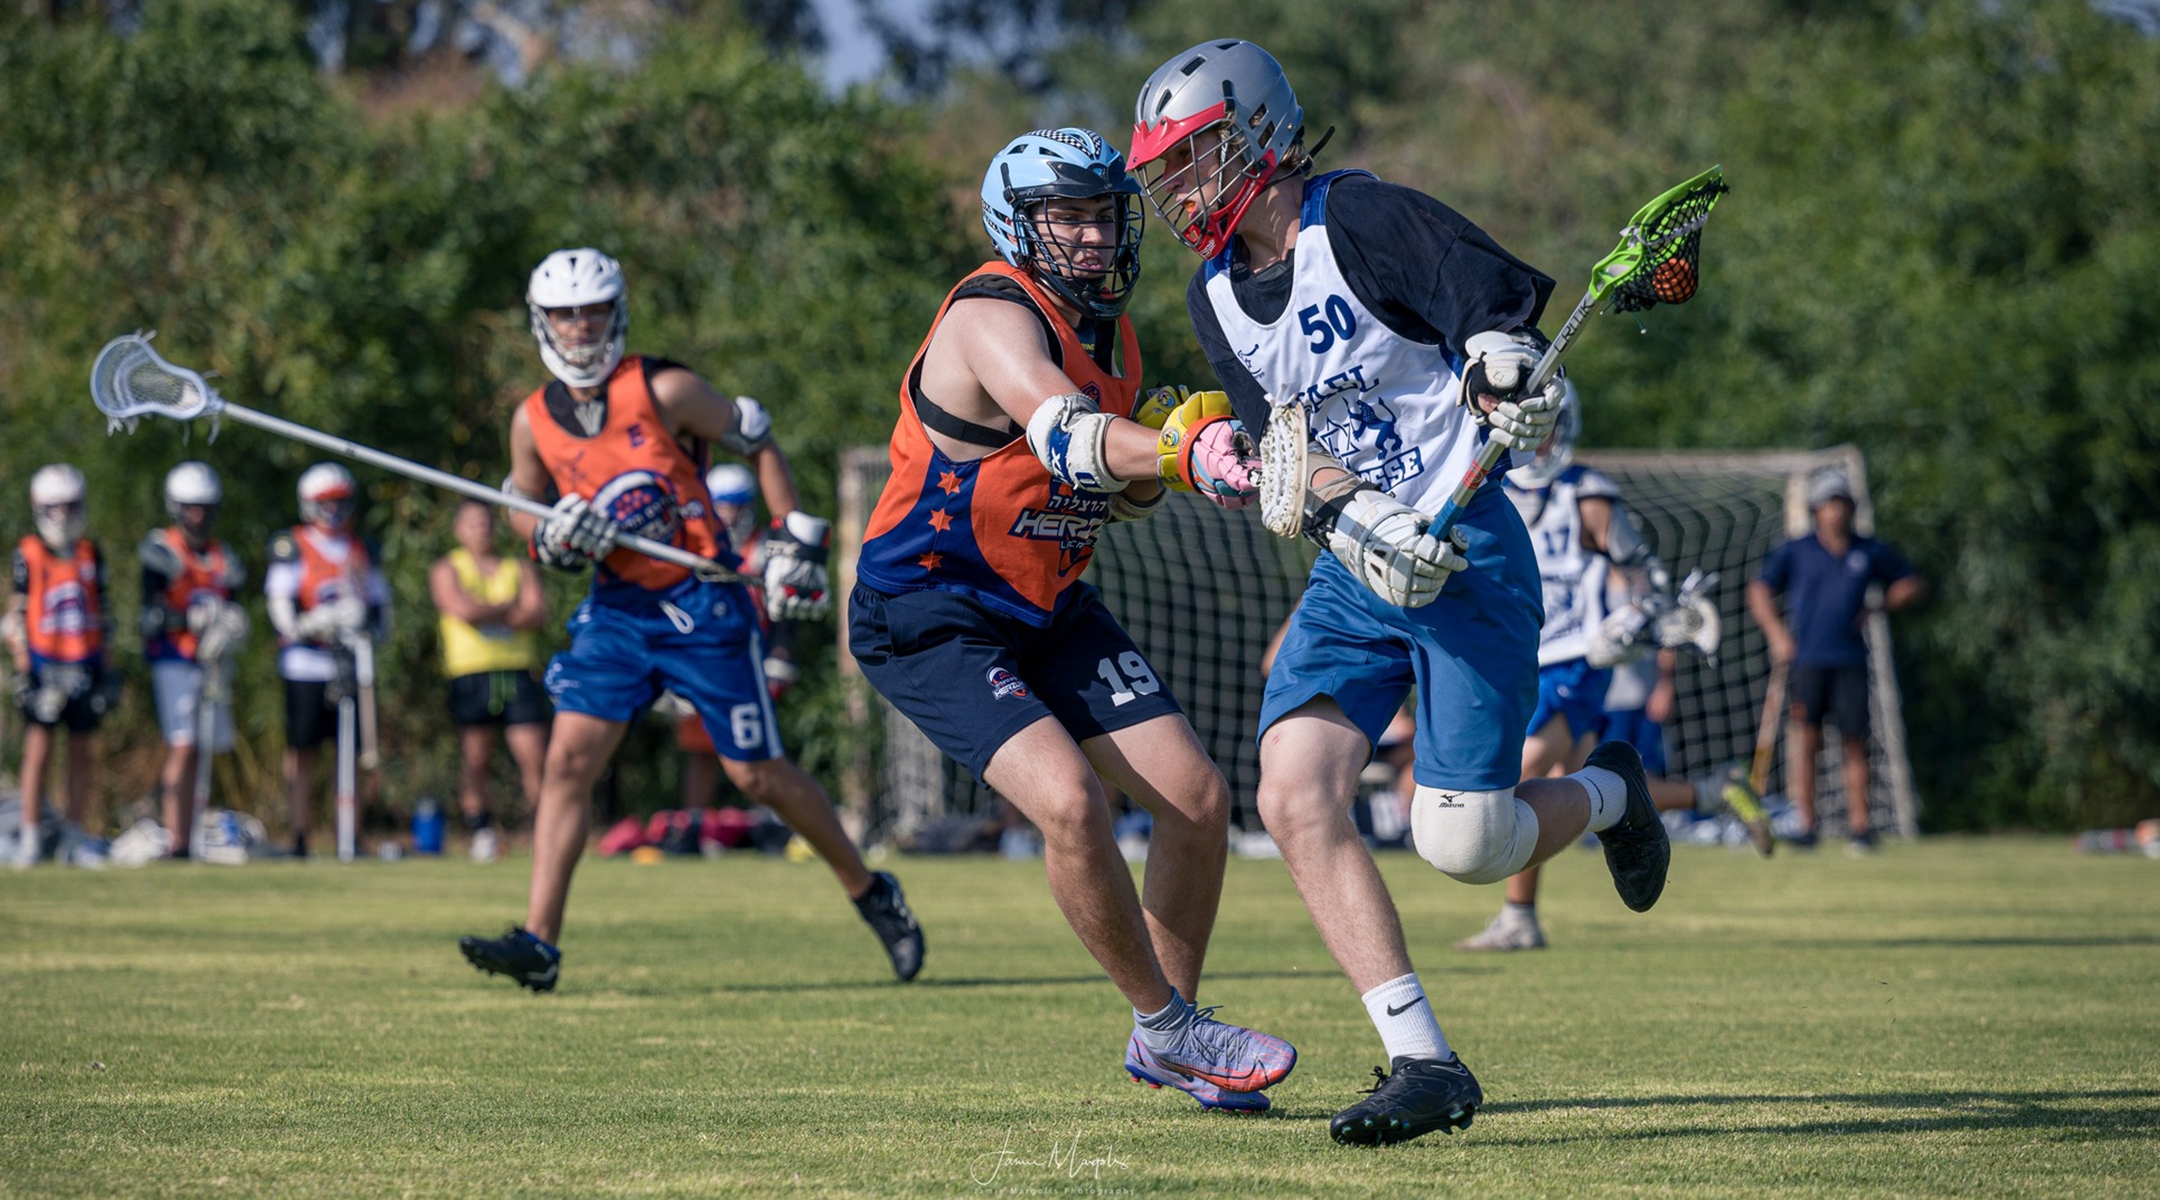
1574	580
1368	333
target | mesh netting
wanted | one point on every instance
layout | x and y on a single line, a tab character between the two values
129	380
1202	591
1672	249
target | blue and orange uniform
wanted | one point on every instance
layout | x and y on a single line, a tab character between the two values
648	625
970	614
64	626
176	577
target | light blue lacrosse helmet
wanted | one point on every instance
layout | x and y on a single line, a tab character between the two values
1065	163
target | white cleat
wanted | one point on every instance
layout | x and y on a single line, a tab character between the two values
1506	932
486	845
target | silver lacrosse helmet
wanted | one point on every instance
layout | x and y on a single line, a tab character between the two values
1212	128
56	505
1557	450
576	279
193	485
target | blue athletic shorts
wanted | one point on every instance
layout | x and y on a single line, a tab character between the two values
1573	691
971	677
1471	654
698	640
1630	725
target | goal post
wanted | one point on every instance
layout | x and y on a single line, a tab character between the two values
1203	590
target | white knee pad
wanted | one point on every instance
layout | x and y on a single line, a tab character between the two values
1477	837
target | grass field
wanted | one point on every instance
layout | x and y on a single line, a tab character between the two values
1963	1017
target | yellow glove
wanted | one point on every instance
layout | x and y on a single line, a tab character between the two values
1180	414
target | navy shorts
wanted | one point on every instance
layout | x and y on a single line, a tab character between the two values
971	677
497	698
1836	694
1634	726
698	640
1575	691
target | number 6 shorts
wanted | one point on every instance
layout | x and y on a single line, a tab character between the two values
698	640
970	677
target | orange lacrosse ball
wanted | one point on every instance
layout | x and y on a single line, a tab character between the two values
1673	282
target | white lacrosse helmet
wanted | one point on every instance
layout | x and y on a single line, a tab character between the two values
326	495
732	486
56	504
1227	85
1557	450
574	279
192	484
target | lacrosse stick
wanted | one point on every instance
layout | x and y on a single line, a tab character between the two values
130	381
1766	734
348	783
362	649
1655	263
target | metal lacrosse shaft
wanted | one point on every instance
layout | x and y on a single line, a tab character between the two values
1488	456
704	567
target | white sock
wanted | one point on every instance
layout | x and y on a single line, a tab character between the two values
1158	1030
1608	796
1521	914
1404	1017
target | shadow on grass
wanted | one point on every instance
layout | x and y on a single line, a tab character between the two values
1213	977
1984	943
2106	1114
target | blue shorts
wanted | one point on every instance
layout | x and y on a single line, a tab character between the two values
1471	653
1633	726
698	640
970	677
1574	691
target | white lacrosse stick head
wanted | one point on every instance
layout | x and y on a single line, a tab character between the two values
1692	622
131	381
1282	468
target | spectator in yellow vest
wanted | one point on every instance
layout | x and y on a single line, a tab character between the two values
490	607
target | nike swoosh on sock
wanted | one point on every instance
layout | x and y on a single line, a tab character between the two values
1396	1012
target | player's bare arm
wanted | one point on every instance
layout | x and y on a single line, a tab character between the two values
528	475
737	424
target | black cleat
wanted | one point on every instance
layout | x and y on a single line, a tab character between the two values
518	954
886	911
1637	852
1422	1095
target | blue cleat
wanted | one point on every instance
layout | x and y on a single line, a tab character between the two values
1231	1057
518	954
1145	1067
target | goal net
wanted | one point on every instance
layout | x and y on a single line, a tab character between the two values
1203	590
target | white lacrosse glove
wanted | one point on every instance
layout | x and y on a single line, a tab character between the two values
574	536
222	630
1692	622
1067	434
1384	543
796	586
1622	636
1499	365
324	622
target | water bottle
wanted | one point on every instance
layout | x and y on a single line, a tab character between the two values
427	826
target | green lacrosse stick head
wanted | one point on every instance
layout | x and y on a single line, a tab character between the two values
1657	259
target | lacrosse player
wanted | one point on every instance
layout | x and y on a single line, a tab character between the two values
191	626
1587	546
488	609
1826	578
1015	444
617	443
55	625
1405	333
734	495
322	589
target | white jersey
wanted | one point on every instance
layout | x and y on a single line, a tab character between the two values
1574	577
1383	405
